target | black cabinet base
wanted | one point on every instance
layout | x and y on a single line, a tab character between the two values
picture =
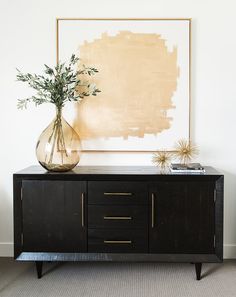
39	258
39	268
118	257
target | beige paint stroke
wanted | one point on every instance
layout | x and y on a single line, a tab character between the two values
137	77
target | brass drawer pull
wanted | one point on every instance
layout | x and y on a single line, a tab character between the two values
118	241
82	208
118	194
153	210
117	218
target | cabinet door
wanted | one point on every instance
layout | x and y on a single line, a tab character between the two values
54	216
182	217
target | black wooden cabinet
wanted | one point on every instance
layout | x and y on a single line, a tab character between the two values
118	214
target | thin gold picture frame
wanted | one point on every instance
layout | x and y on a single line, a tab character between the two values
61	19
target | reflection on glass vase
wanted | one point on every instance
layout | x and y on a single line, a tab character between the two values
58	147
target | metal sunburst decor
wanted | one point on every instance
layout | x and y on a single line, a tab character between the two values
185	151
162	159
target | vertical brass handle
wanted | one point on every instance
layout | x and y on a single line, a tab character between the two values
153	210
214	195
82	206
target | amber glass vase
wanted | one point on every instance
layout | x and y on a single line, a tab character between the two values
58	147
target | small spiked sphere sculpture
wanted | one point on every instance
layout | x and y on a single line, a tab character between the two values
162	159
185	151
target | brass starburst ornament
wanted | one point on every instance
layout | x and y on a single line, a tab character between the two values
185	151
162	159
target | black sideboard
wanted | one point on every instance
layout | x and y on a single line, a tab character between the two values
118	214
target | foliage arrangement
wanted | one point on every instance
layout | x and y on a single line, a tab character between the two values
66	82
61	84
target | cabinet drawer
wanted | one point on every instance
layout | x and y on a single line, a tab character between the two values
117	241
117	192
117	216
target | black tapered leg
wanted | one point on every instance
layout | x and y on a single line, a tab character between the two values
39	268
198	269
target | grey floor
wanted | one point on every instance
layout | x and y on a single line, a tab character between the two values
117	279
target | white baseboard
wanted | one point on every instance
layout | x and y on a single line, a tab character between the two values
6	250
229	251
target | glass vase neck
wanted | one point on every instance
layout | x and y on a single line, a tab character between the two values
58	111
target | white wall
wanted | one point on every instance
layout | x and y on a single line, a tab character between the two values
28	41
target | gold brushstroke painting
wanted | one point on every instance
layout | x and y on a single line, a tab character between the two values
130	104
140	78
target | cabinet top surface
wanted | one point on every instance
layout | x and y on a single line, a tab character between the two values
111	170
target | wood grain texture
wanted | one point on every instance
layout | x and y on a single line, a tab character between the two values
184	217
117	216
114	192
52	216
119	257
138	240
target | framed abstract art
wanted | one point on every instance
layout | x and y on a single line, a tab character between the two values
144	78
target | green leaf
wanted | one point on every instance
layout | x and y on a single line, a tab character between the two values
60	84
